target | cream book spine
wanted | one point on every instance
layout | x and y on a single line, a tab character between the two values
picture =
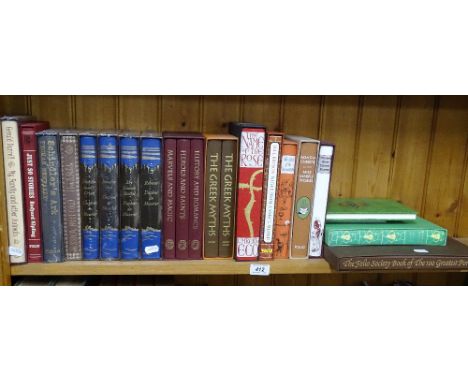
319	209
13	191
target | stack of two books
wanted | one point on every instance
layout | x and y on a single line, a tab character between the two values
405	241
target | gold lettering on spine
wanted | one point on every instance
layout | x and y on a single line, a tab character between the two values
212	194
183	185
170	186
227	195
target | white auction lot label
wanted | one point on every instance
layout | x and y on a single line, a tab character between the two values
259	269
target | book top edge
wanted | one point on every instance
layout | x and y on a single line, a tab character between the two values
22	117
301	139
220	137
366	206
182	135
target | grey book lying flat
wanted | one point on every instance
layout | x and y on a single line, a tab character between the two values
453	256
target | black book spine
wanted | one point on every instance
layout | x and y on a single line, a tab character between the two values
51	198
129	198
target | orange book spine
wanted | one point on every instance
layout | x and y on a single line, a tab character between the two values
284	204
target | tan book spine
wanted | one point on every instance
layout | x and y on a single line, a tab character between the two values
228	198
305	185
212	197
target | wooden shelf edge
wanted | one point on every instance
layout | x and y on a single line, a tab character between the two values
188	267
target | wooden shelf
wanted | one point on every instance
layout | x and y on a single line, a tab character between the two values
189	267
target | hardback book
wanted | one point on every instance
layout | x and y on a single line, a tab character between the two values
51	195
227	202
417	232
13	187
284	203
274	141
182	199
89	195
183	225
452	257
367	210
249	188
220	195
129	191
108	164
151	196
169	196
322	187
212	196
307	152
71	196
196	198
32	207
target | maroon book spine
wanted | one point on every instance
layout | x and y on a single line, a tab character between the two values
28	142
196	199
169	198
182	202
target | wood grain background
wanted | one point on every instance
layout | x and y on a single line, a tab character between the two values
411	148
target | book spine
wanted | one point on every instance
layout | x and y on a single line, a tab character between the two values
319	211
51	199
212	195
169	197
197	197
228	198
108	197
129	198
400	263
270	187
14	192
249	193
305	183
284	204
182	202
31	195
89	195
151	198
334	238
70	171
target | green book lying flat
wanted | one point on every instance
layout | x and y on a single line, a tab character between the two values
417	232
367	210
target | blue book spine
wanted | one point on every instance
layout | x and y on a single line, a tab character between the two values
51	197
108	197
151	198
129	199
89	195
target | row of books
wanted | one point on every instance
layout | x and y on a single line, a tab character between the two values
250	194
